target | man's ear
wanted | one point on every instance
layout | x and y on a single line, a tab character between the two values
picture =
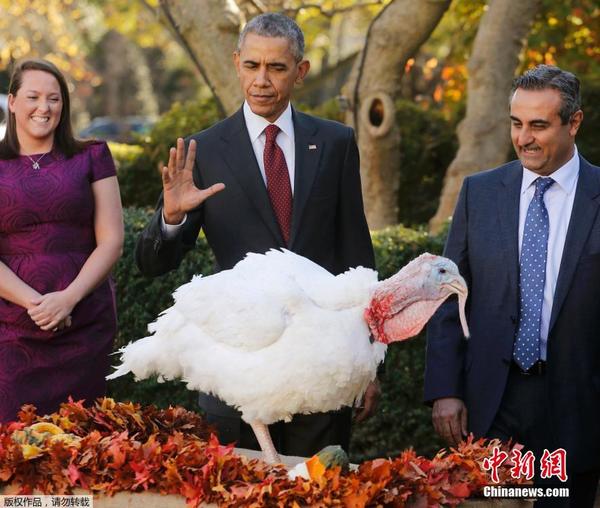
303	68
575	122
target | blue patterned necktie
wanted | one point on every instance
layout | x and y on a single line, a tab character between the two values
534	250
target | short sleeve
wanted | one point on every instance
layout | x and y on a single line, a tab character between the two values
102	163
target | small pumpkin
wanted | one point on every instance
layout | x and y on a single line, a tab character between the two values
327	458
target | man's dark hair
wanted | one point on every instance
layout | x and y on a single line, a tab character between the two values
544	77
273	24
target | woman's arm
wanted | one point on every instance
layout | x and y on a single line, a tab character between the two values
14	289
52	308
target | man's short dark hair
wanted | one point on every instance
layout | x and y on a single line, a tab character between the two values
543	77
273	24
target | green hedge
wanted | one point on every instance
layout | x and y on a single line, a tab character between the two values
139	176
428	145
402	421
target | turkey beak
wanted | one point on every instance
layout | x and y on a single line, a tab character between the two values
459	286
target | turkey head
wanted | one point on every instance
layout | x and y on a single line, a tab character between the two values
401	305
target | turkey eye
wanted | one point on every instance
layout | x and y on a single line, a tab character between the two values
442	270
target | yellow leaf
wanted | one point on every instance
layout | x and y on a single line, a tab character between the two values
31	451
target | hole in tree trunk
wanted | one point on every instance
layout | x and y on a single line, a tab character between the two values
376	112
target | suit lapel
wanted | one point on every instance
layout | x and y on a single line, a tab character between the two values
508	212
308	150
585	209
241	161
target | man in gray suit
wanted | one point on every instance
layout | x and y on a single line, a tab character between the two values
266	177
526	237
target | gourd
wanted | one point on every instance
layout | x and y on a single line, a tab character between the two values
329	457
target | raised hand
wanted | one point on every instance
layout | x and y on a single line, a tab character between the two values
180	195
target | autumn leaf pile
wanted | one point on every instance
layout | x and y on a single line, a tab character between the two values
124	447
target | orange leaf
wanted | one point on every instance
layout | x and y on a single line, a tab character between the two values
460	490
315	468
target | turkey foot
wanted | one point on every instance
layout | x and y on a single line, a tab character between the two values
261	431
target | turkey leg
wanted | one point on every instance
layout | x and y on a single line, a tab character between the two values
261	431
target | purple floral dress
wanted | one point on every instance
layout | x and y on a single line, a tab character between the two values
46	235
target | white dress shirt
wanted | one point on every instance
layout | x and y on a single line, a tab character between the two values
559	200
256	126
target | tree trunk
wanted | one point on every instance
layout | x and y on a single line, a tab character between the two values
484	133
394	36
208	30
113	43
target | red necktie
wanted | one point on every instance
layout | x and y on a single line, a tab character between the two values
278	182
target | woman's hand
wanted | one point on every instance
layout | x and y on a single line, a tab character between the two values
65	323
52	311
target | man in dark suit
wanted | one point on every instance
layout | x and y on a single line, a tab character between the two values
526	237
276	178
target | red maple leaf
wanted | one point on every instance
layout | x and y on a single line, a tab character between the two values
75	476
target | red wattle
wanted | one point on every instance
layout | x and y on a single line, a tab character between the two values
376	315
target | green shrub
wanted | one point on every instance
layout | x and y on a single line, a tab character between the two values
402	420
139	177
330	109
125	154
395	246
180	121
427	146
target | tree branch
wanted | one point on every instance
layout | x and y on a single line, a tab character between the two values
184	44
149	7
252	7
258	5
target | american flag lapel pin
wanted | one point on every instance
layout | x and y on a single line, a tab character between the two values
312	147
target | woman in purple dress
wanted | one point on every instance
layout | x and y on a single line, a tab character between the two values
61	232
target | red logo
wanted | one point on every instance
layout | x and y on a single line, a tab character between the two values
523	464
554	464
494	462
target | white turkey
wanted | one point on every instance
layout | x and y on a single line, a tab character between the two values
278	334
